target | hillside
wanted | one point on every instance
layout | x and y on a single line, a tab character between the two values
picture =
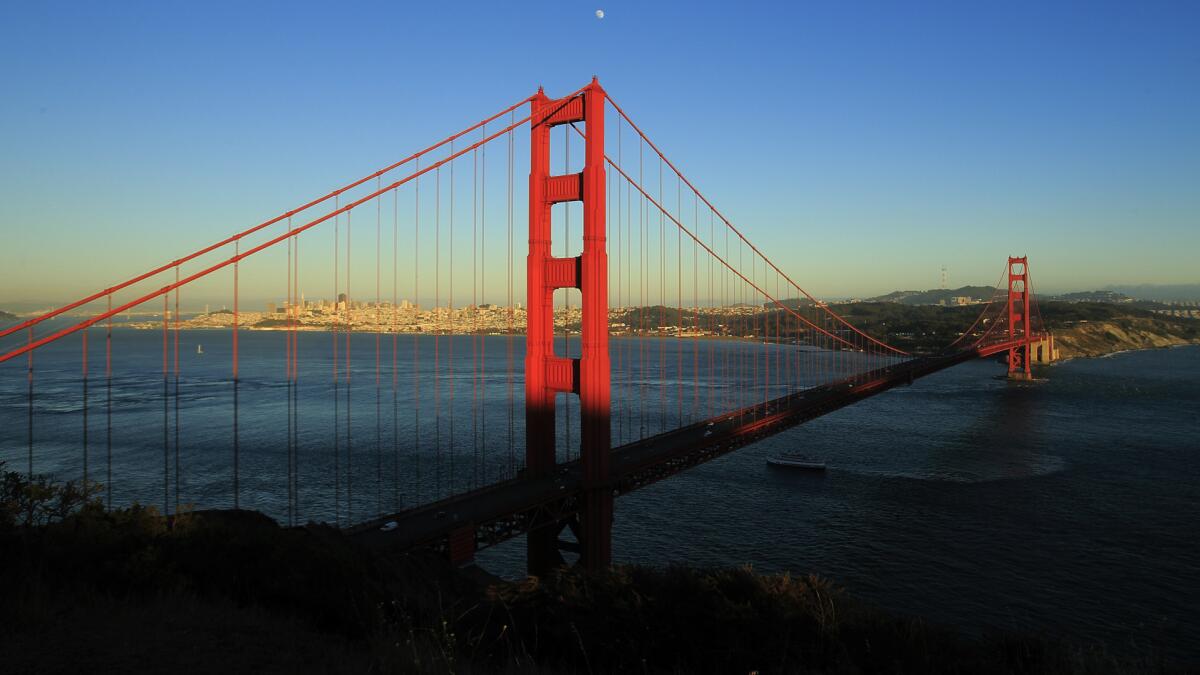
1160	292
1080	328
936	296
1097	338
1092	296
5	317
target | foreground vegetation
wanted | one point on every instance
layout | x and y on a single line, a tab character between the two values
222	591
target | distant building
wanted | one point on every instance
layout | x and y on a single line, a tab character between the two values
958	301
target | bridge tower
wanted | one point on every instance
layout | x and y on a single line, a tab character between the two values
1018	318
547	374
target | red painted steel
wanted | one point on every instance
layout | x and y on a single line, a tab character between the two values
595	389
546	374
461	548
541	550
1018	315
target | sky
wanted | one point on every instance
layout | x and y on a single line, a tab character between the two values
865	145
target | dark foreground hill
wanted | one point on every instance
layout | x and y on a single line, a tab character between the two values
231	591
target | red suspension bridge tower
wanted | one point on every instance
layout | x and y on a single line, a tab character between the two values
1019	318
547	374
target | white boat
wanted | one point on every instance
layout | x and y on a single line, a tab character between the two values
795	461
199	349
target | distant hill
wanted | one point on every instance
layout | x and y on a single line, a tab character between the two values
1161	293
1085	328
5	316
791	303
935	296
1093	296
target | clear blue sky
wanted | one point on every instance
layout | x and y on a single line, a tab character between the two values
865	144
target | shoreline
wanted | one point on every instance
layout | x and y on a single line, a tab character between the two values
1119	352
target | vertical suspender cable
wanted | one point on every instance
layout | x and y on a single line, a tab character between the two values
378	323
166	313
621	364
679	304
236	440
177	476
509	334
296	296
643	292
725	279
108	406
662	305
474	318
712	316
290	307
29	379
337	413
437	336
450	321
696	325
85	411
349	430
416	344
395	349
483	276
613	248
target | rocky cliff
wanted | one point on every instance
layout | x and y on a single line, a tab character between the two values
1097	338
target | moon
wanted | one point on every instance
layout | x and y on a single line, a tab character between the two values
599	14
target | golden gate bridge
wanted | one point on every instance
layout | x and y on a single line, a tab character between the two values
631	387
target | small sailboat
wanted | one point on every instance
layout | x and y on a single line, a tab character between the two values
199	349
793	460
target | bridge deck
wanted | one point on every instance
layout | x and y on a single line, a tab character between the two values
510	508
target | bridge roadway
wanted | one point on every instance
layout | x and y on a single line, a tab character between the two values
470	521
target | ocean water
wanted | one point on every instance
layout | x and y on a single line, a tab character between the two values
1068	507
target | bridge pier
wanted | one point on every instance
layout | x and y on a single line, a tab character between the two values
1044	350
547	374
